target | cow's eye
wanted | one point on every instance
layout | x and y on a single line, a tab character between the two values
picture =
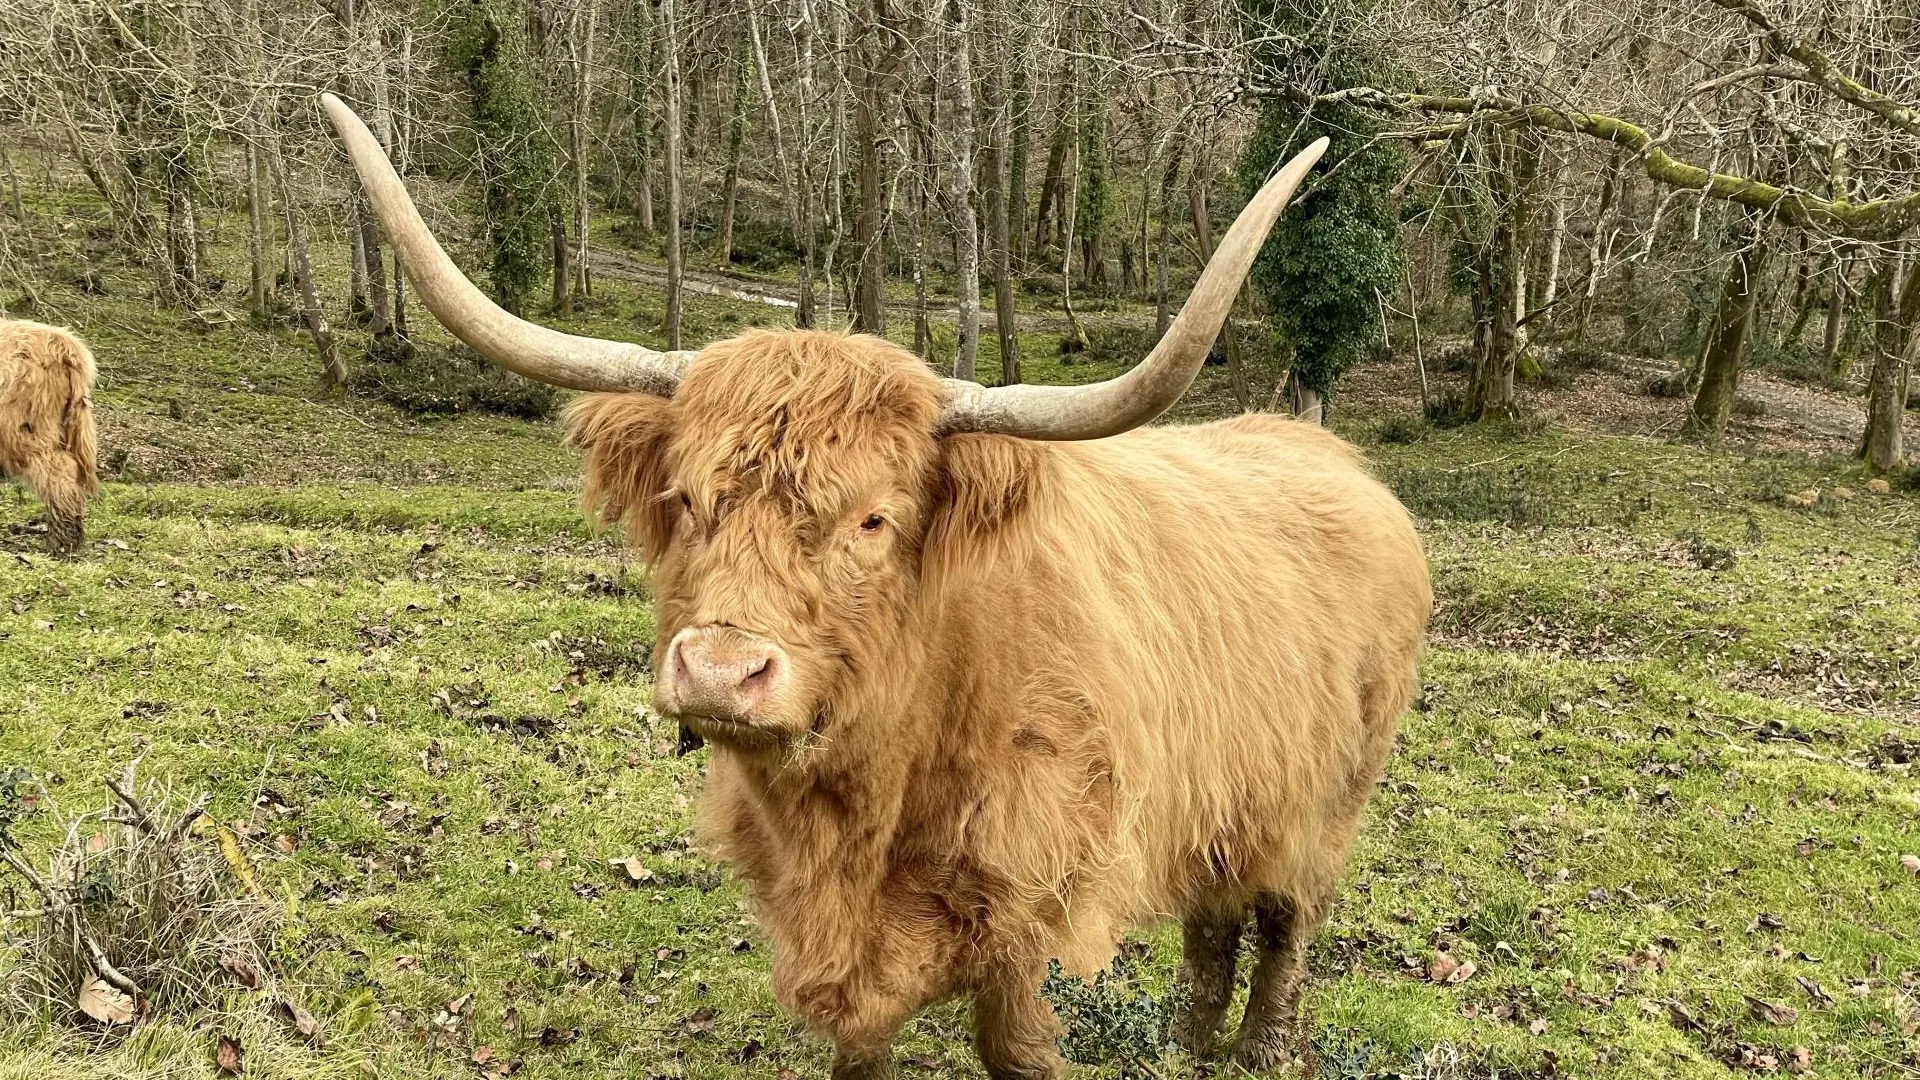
872	524
686	503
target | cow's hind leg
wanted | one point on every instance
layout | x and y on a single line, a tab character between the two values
56	479
1271	1030
1016	1031
1209	947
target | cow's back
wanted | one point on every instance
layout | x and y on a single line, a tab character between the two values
1253	604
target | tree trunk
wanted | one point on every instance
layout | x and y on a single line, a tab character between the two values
881	48
1307	404
869	312
562	262
1050	184
669	39
581	49
1806	296
1200	219
1556	244
641	90
1727	338
1163	253
730	183
357	303
993	167
311	311
1019	149
378	308
259	229
1076	340
1600	250
922	326
402	143
13	185
792	175
966	228
1836	363
1895	342
1502	276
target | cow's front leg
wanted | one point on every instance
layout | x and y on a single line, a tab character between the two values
863	1061
1015	1029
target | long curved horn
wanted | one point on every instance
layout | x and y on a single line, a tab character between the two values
1127	401
529	349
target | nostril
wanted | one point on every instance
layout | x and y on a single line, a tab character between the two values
678	670
760	674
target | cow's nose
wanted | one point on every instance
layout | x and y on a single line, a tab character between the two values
722	672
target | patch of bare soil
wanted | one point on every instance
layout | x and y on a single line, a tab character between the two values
1796	417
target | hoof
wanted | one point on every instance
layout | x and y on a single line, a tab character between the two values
1271	1050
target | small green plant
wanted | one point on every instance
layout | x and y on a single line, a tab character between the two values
1671	384
1401	429
1113	1020
146	905
1706	554
435	382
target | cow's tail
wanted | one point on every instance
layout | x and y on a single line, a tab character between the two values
79	440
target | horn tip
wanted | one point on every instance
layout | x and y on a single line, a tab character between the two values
339	112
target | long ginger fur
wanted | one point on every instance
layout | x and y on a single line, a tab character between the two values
47	437
1078	687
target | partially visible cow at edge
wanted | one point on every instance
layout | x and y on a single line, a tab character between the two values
46	424
993	675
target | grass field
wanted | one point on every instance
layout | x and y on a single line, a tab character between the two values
1657	793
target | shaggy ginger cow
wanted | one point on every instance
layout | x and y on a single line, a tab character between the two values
46	423
990	676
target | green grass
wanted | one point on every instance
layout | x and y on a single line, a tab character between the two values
1642	779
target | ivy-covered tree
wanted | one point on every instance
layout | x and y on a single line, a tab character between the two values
1339	248
1096	192
515	151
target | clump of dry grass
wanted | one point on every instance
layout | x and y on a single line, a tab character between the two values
146	907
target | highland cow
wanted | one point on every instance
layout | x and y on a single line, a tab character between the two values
46	424
992	675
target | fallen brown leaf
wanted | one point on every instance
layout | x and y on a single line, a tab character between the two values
1777	1015
105	1003
483	1053
1813	990
553	1036
303	1022
228	1056
636	871
1799	1060
457	1005
1681	1018
700	1021
510	1020
1911	863
243	970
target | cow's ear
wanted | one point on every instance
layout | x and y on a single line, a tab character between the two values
625	437
986	486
